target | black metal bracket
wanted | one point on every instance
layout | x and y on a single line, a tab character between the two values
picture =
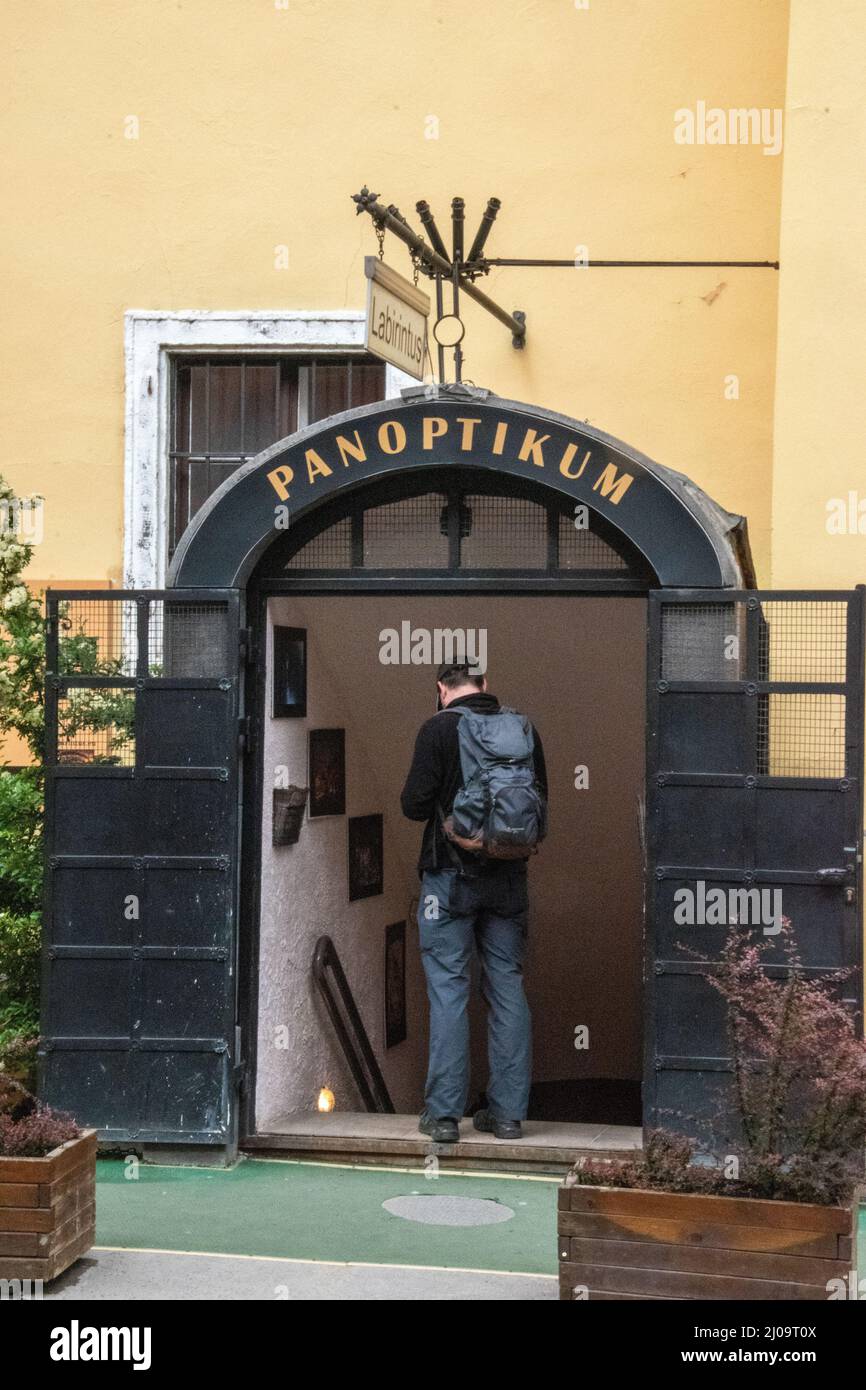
484	265
434	261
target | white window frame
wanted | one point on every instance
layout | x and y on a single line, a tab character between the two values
151	337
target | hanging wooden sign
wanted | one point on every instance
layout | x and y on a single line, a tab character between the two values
397	314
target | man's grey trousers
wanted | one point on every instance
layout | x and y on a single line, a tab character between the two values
458	913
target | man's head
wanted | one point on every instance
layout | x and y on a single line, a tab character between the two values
453	682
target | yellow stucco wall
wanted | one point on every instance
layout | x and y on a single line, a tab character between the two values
256	124
820	421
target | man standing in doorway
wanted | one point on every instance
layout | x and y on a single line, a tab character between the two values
475	754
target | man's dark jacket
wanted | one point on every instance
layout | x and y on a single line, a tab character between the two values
435	778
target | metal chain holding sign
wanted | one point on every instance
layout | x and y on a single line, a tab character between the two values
379	228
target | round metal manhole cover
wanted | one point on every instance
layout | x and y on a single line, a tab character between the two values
449	1211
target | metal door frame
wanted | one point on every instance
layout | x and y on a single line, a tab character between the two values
253	771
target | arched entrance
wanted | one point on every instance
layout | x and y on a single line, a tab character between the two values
434	497
754	715
557	602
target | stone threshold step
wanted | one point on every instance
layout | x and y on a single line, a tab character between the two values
392	1139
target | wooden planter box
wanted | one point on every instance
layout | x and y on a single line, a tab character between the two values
621	1243
47	1210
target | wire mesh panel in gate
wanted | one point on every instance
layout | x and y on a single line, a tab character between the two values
188	639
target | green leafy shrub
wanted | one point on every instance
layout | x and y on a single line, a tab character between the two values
19	959
22	713
18	1044
22	642
20	840
20	942
22	673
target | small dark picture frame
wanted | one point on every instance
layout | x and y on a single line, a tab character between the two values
327	772
290	673
366	873
395	984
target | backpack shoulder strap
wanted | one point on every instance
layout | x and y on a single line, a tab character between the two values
449	847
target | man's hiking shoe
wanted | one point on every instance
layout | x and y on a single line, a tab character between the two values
440	1131
503	1129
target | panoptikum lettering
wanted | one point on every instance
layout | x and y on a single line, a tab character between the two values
523	444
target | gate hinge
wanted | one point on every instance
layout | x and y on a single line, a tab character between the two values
246	646
239	1070
244	733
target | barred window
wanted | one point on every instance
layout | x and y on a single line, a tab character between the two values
226	409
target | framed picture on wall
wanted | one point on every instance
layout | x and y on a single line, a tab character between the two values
395	984
327	772
290	673
366	871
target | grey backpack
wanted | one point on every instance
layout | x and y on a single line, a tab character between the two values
500	810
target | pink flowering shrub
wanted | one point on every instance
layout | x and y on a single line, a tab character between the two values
35	1135
799	1093
29	1129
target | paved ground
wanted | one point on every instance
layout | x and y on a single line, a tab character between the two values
139	1274
288	1230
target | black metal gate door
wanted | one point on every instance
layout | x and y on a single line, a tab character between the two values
142	851
754	782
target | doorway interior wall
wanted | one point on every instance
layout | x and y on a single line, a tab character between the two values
576	665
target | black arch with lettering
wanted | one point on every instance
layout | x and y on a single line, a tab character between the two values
686	538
